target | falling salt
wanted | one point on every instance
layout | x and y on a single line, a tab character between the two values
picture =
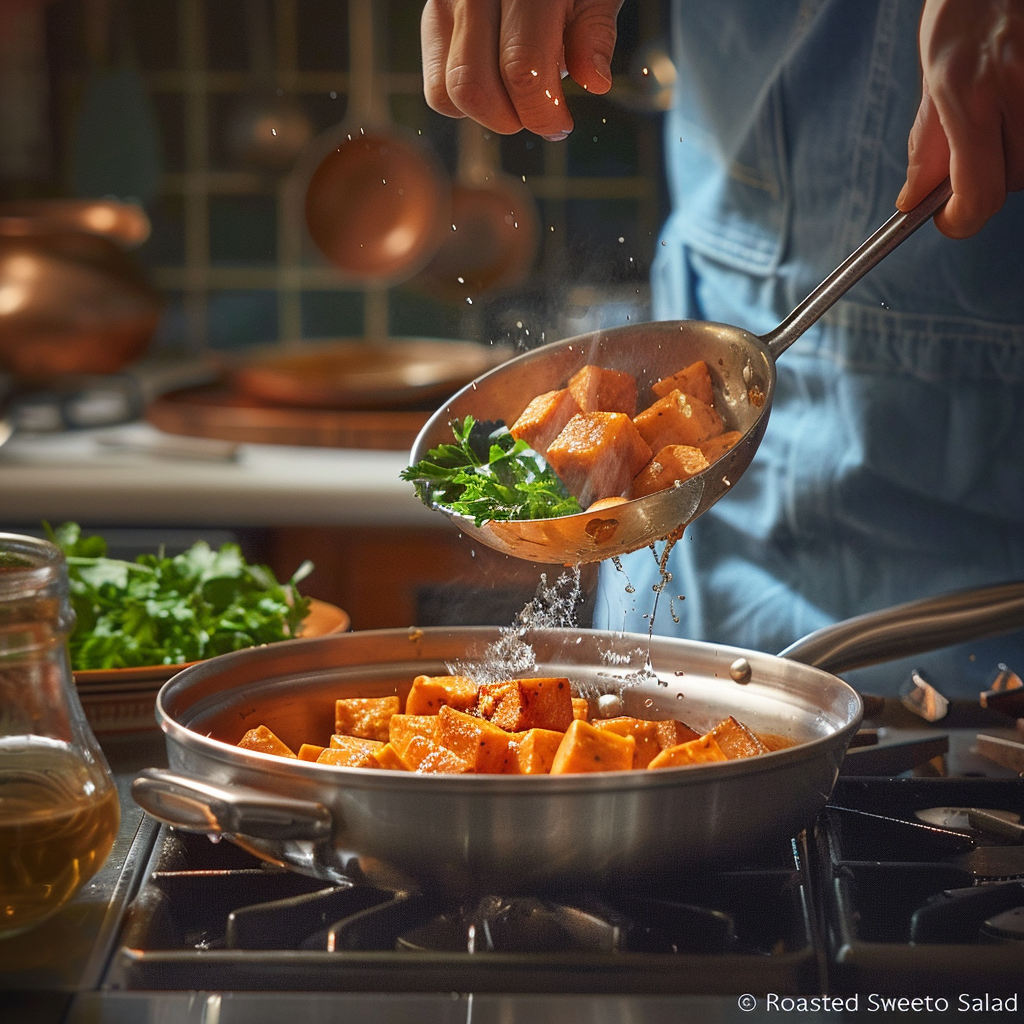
511	655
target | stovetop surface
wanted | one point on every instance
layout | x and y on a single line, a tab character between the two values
873	902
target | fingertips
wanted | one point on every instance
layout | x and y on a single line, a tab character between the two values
589	44
473	74
435	41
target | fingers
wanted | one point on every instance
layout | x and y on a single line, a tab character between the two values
589	45
501	62
970	124
473	76
531	59
436	26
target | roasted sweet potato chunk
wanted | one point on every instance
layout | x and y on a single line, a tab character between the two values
600	390
402	728
694	380
385	757
519	704
425	755
678	418
431	693
736	740
367	717
672	732
644	733
598	454
715	448
543	419
585	748
674	462
264	741
482	745
581	708
698	751
351	751
535	750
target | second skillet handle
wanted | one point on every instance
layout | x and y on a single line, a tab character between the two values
194	806
913	628
898	228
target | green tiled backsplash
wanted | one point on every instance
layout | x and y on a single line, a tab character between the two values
216	248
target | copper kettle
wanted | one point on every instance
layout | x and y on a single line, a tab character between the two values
72	298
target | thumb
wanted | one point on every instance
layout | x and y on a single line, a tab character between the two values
589	41
928	155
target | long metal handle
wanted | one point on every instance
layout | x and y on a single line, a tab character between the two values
194	806
895	230
912	628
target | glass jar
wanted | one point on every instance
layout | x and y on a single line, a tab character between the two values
59	809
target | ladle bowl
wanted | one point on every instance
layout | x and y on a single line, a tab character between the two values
742	367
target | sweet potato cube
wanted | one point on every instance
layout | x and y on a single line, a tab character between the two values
715	448
736	740
598	454
402	728
599	390
581	708
352	751
431	693
693	380
385	757
585	748
698	751
674	462
367	717
262	740
543	419
519	704
672	732
310	751
644	733
678	418
425	755
341	741
485	746
535	750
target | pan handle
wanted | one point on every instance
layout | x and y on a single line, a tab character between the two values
913	628
193	806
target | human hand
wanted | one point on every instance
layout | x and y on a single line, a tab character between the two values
501	62
970	124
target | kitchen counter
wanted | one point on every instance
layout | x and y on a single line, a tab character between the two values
134	474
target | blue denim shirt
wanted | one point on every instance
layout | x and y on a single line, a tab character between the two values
893	463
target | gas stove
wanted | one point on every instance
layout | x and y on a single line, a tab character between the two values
906	888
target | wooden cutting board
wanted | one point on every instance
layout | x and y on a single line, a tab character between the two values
219	411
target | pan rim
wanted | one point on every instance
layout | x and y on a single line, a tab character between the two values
190	739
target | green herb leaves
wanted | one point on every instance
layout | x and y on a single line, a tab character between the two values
167	611
488	474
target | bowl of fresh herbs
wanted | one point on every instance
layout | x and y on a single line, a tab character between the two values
139	622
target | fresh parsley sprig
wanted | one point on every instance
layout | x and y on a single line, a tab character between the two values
161	610
488	474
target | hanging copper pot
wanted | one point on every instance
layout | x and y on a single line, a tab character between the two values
72	299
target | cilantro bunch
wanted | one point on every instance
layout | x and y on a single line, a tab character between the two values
161	610
488	474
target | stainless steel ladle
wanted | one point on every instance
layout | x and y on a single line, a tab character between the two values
742	367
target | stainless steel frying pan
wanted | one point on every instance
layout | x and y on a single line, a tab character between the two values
507	832
742	366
